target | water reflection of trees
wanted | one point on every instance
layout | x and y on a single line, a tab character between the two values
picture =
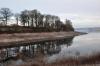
44	47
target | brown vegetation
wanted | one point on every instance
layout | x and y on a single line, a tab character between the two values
93	60
17	39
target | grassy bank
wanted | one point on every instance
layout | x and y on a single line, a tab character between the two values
7	40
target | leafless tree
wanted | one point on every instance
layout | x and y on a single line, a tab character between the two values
17	18
24	17
5	14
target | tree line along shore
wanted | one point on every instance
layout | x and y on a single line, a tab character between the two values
32	21
31	25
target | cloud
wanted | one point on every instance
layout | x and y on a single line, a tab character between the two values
83	13
82	20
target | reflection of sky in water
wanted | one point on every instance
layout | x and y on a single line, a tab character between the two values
82	45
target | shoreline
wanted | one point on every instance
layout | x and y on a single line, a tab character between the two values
21	39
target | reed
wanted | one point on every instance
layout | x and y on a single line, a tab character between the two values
92	60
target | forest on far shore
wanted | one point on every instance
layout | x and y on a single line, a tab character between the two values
32	21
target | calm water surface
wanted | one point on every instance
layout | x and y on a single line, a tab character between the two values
83	45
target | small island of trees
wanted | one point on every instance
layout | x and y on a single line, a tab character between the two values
32	21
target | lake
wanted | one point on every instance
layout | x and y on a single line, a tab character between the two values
83	45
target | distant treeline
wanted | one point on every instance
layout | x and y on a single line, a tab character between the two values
34	21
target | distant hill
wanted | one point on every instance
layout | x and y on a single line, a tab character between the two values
92	29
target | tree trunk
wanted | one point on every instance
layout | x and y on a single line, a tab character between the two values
6	21
32	22
17	21
28	23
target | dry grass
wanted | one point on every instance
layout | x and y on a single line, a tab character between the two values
7	40
81	61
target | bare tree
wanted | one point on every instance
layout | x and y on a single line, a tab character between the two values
56	21
24	17
5	14
68	25
32	17
40	20
47	20
17	18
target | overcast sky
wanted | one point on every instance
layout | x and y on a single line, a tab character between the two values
82	13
